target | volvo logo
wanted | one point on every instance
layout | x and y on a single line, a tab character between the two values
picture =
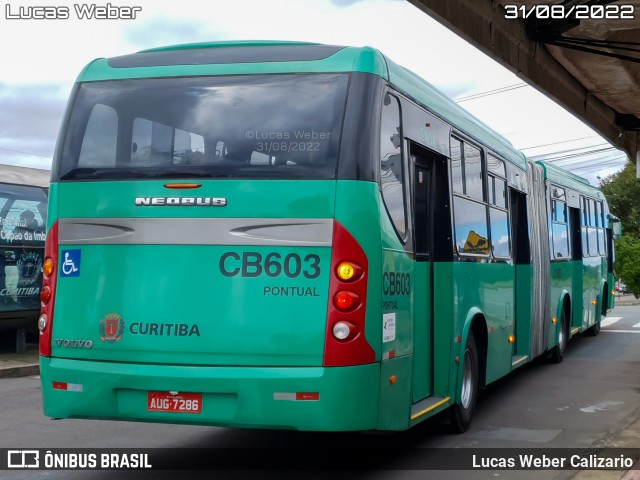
181	201
63	342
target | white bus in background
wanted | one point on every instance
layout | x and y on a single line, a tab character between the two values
23	224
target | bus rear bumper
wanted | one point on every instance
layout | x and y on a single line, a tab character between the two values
255	397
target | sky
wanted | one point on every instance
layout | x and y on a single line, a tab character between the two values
40	59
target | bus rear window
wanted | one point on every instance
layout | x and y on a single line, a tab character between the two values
250	126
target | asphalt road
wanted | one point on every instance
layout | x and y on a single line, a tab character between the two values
589	398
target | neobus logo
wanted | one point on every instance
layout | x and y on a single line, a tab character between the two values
181	201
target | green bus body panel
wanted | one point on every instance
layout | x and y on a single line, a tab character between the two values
592	290
246	351
52	205
444	327
489	290
231	396
563	278
395	398
247	198
224	320
611	298
523	292
421	331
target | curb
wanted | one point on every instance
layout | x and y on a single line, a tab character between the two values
21	371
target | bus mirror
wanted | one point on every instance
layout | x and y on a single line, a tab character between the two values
615	225
617	230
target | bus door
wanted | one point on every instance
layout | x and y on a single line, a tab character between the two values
432	234
523	287
576	258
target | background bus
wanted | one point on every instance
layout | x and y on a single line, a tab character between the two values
23	203
303	236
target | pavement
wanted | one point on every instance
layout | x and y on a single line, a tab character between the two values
20	364
622	300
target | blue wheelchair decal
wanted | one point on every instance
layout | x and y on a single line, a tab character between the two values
70	263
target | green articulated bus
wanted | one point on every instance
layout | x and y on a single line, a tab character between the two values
300	236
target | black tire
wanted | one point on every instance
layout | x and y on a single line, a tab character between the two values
461	413
594	330
557	354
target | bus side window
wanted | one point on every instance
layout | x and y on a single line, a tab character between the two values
498	213
391	165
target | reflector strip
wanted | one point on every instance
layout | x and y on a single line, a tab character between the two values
69	387
307	396
297	396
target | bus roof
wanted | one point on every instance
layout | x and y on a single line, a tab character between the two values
24	176
568	179
255	57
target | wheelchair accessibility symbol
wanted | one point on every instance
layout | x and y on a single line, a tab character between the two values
70	263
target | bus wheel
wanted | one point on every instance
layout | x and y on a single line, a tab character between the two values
594	330
462	412
557	354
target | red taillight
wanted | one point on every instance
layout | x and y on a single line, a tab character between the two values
47	294
346	301
345	341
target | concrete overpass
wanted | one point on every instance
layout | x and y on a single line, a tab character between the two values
590	66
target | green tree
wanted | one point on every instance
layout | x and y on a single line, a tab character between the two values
622	190
627	264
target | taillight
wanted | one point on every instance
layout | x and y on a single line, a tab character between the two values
47	294
345	301
345	342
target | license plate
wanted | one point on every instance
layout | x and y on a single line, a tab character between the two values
174	402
